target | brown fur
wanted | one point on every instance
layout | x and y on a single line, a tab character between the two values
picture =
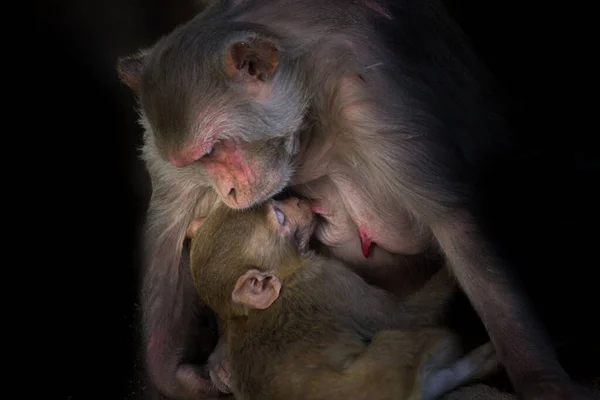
327	335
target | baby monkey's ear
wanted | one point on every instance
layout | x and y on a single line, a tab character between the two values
193	227
256	289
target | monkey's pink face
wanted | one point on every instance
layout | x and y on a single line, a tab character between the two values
241	174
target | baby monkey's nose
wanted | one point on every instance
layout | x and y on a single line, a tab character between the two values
293	202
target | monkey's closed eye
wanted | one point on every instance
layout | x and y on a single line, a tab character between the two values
211	151
280	215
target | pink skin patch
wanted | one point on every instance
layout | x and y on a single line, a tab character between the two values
230	166
365	241
317	207
190	154
208	129
227	165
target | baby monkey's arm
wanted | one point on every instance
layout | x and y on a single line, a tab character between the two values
193	227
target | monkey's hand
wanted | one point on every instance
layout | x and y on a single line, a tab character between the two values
218	367
193	383
179	380
219	374
166	365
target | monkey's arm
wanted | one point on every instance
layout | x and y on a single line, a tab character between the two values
520	340
176	325
447	368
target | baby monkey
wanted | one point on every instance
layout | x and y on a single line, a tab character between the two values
299	326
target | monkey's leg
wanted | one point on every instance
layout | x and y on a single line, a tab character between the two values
443	372
389	366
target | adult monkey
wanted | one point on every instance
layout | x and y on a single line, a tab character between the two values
379	101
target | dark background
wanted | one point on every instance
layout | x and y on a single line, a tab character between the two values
543	209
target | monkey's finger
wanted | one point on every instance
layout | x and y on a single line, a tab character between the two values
190	377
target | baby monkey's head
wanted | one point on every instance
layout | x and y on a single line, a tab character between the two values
239	258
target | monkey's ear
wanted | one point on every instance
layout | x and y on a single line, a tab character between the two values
193	227
253	60
256	289
130	69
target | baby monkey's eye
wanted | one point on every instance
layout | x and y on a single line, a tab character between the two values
280	215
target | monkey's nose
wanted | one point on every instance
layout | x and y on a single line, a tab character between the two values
232	194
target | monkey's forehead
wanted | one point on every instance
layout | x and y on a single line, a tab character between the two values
175	100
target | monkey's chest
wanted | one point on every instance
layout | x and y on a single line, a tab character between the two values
355	227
